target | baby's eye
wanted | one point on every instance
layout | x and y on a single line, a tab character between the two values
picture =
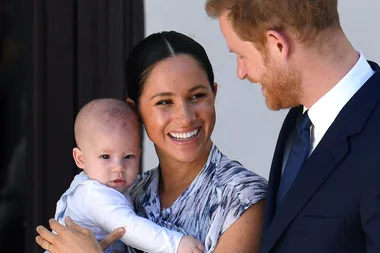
106	157
129	156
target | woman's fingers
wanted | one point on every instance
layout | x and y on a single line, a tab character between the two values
49	241
111	238
45	244
46	234
56	226
42	242
71	224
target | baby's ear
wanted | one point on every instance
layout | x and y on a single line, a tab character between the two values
78	158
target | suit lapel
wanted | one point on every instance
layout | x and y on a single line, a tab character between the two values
275	172
322	162
314	172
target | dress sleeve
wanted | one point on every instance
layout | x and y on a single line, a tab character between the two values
237	199
231	199
110	210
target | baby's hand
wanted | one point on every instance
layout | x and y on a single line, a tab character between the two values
189	244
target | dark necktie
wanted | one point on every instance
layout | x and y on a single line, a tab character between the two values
297	155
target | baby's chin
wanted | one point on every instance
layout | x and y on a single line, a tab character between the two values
120	189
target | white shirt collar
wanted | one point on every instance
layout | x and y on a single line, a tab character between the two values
324	111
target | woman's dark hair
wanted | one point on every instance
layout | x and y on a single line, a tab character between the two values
155	48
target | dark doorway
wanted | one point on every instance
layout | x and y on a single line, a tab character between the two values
55	55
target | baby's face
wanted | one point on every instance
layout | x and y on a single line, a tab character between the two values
112	157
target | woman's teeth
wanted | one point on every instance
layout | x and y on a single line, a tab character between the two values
185	136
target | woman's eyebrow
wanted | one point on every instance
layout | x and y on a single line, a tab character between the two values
161	94
200	86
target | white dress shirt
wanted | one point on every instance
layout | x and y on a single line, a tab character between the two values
323	113
103	209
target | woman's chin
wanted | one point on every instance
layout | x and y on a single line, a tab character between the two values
191	155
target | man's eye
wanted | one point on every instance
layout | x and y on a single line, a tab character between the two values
106	157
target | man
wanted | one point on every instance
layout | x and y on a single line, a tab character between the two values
324	184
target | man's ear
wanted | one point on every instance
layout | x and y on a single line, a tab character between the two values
78	158
278	44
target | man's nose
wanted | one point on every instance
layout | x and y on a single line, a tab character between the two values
241	71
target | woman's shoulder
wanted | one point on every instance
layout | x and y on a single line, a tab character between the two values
231	173
236	189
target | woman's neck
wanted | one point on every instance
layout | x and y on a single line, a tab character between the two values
176	175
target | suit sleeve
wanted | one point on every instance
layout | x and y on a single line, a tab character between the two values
110	210
370	213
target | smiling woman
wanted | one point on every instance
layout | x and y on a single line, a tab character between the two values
177	108
195	189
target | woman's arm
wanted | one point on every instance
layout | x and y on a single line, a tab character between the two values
73	238
244	234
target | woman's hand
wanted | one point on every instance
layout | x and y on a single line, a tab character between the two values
73	238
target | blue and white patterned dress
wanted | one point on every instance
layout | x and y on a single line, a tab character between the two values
216	198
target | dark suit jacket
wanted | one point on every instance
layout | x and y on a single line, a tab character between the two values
333	205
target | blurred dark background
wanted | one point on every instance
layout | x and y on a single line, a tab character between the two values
55	55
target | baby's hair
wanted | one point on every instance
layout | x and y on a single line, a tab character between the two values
103	112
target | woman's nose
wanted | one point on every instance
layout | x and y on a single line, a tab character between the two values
185	113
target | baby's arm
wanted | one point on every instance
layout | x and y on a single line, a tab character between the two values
110	210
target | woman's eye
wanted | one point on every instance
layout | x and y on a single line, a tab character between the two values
199	95
106	157
129	156
164	102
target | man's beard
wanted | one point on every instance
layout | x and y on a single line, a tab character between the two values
281	86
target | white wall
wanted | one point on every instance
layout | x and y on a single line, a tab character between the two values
246	130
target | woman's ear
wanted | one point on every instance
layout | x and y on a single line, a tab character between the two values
78	158
215	89
130	102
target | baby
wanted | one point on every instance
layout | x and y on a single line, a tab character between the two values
108	150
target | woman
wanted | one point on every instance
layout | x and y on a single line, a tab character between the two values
195	189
